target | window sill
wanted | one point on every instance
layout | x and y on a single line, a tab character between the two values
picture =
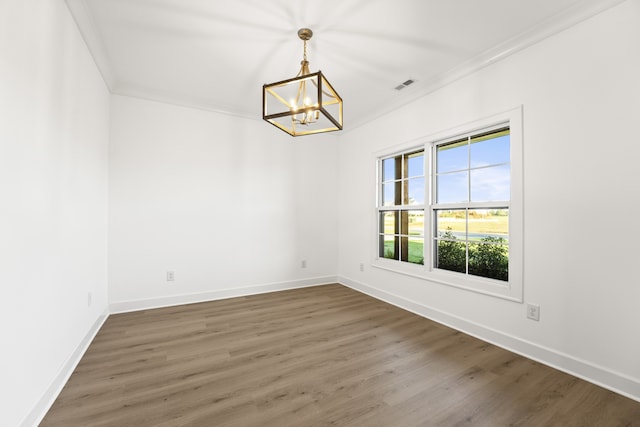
505	290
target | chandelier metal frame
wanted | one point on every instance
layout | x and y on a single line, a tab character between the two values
305	104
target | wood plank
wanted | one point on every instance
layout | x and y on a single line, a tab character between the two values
316	356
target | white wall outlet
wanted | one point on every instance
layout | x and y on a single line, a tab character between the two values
361	266
89	299
171	276
533	312
303	264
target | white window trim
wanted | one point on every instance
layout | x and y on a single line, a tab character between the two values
511	290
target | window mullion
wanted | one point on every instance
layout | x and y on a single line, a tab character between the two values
466	239
469	169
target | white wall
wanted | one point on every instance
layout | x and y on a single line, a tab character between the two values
54	111
581	101
231	205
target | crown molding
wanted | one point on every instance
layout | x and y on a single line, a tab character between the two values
89	32
568	18
580	11
136	91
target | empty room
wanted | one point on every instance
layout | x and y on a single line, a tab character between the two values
343	212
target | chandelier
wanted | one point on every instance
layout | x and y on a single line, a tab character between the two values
305	104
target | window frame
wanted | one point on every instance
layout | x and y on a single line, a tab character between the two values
401	183
511	289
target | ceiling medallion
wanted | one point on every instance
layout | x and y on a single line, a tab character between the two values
305	104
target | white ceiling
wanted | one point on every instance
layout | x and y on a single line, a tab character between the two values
217	54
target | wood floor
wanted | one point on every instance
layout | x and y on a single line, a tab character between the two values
317	356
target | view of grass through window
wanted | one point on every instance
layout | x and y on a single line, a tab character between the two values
474	239
408	246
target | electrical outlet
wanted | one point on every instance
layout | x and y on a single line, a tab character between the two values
89	297
361	266
303	264
171	276
533	312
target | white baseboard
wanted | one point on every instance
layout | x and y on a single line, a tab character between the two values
149	303
598	375
44	404
604	377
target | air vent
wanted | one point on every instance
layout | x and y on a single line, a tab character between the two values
405	84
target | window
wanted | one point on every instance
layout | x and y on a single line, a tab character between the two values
450	209
471	207
401	214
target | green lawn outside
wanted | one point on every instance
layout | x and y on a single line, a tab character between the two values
416	251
